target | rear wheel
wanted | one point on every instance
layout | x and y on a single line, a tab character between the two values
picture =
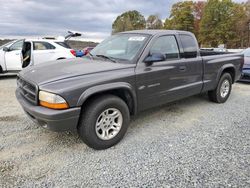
104	122
222	92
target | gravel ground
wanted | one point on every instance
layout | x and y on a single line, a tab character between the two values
190	143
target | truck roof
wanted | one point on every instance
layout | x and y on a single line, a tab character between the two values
155	32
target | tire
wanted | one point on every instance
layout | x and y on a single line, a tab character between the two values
97	115
217	95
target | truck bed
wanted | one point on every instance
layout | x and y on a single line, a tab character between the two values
209	53
217	61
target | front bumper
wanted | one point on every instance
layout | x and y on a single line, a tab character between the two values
55	120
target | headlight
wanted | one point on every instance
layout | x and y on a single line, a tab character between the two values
51	100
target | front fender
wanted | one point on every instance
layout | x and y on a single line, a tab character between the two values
108	87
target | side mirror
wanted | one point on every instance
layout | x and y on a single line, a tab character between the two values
155	57
6	49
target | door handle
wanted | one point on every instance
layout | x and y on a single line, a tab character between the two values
182	68
17	53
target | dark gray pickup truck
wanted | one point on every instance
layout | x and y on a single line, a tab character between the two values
125	74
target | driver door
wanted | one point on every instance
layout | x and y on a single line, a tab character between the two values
170	79
13	57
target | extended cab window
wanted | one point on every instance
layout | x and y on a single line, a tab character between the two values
43	46
166	45
189	46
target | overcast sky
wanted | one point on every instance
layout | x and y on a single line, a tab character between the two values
55	17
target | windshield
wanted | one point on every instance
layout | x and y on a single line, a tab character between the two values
246	52
121	46
6	44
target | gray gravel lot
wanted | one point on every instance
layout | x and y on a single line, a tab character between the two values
190	143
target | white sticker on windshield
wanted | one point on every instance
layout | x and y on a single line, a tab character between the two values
136	38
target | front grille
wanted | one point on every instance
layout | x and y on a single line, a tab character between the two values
27	90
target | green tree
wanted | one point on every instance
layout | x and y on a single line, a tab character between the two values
181	17
218	23
131	20
239	27
198	10
247	24
154	22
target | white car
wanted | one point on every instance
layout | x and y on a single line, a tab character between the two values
19	54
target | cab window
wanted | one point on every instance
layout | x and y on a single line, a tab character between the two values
43	46
167	46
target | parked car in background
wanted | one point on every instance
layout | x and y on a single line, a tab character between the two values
79	53
10	57
125	74
246	67
215	49
87	50
235	50
19	54
22	53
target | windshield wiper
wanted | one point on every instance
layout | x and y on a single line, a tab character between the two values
107	57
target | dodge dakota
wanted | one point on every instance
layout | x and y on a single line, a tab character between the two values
125	74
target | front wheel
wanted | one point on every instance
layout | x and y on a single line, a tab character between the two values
104	122
222	92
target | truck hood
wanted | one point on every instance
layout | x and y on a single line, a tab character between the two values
63	69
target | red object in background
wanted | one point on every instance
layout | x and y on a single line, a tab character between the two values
73	52
87	50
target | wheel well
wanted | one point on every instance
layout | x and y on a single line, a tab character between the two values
1	69
124	94
61	58
231	71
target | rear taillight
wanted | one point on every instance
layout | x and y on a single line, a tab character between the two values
73	52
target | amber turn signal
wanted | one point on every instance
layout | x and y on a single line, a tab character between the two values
51	100
54	106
